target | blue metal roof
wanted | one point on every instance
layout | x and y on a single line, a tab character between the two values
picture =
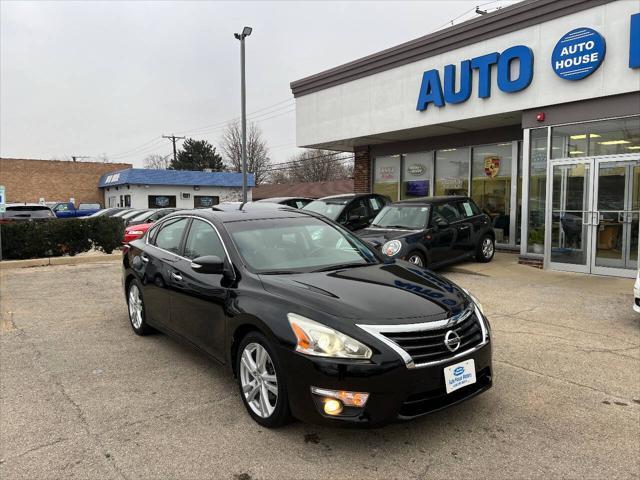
144	176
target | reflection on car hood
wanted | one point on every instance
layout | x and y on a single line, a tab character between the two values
384	294
378	236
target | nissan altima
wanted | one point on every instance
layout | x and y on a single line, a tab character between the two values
312	321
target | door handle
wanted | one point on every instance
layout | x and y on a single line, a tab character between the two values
596	222
465	227
585	218
176	276
144	258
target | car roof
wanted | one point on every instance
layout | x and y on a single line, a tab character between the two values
282	199
224	216
430	200
39	205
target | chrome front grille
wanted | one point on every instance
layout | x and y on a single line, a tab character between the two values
423	344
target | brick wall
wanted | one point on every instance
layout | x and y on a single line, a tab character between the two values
362	170
30	180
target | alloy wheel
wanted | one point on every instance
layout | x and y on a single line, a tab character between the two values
135	307
258	380
487	248
416	260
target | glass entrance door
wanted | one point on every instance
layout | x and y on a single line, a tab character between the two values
593	223
616	217
569	247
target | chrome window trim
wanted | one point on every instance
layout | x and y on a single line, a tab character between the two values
378	330
226	251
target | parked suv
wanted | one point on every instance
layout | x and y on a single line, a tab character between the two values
353	211
16	212
432	231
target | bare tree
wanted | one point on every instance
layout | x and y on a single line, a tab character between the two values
258	161
314	166
157	162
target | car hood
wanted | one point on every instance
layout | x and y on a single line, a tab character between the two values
379	236
377	294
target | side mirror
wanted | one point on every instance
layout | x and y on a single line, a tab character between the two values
208	264
440	223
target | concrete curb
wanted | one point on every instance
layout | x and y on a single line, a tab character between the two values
43	262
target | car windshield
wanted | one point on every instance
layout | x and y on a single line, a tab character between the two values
131	214
329	208
142	216
413	217
296	245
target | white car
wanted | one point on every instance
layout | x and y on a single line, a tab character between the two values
636	293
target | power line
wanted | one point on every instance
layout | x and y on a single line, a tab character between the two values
173	139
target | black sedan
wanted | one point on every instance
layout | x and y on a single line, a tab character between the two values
352	210
313	322
432	231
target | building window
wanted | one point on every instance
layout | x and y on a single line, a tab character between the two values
491	185
205	201
417	170
386	178
162	201
590	139
127	200
537	190
452	171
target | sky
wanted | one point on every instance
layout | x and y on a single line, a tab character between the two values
110	78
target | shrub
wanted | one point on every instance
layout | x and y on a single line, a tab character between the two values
53	238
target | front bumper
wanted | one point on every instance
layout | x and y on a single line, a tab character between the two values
396	392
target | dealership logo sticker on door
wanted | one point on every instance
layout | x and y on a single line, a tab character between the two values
578	54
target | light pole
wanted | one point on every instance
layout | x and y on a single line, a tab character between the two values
246	31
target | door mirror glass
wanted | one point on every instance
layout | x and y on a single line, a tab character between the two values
208	264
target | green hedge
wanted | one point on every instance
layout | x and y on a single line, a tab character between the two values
63	236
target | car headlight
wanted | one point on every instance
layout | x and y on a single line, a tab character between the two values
314	338
392	247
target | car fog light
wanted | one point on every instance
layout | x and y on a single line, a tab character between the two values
332	407
349	399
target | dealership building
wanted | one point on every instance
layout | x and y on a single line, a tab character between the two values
147	188
532	110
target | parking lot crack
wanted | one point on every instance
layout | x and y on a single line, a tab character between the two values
36	448
561	380
555	325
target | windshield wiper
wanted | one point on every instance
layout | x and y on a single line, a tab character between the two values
403	227
339	266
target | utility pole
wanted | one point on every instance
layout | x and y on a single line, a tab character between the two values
246	31
173	139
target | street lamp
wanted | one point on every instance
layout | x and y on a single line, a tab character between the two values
246	31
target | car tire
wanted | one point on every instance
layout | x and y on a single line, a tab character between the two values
417	258
257	378
485	249
135	306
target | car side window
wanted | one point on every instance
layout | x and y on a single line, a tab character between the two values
170	234
447	211
203	240
376	205
467	209
357	209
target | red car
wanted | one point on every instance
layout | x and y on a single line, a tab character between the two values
133	232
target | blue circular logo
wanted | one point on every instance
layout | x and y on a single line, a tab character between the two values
578	54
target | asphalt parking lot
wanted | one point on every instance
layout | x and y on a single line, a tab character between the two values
83	397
